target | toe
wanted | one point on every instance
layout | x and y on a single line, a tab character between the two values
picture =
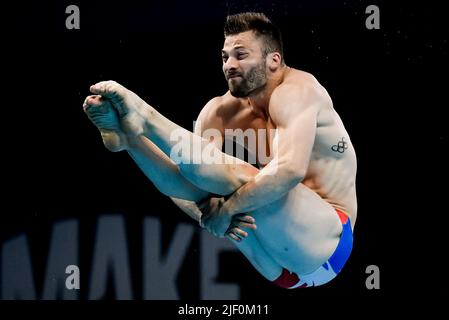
92	100
107	89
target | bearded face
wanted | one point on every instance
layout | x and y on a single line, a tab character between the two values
244	65
242	83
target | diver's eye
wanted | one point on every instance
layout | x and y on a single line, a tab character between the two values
241	56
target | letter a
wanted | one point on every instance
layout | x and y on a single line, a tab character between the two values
73	20
73	280
373	20
373	280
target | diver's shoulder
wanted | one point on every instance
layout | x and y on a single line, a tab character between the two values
228	103
223	106
225	100
305	84
300	78
299	84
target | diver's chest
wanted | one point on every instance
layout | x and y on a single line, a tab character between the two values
256	136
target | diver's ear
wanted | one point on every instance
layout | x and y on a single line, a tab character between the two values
274	61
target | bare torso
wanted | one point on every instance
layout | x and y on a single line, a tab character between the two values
331	175
332	167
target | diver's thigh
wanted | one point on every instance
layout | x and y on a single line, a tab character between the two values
300	230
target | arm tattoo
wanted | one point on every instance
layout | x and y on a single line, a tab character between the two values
341	146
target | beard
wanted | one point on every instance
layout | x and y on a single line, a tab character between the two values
254	79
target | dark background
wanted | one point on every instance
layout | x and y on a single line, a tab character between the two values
387	85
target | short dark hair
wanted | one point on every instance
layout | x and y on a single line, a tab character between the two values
261	25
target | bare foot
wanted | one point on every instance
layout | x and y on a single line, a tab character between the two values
129	106
101	112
